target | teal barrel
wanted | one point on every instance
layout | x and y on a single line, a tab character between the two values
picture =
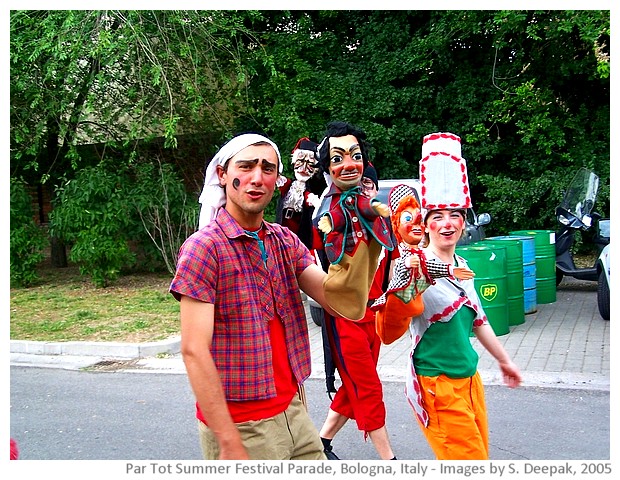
544	241
514	276
489	265
529	270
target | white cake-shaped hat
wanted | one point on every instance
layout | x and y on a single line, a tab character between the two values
443	173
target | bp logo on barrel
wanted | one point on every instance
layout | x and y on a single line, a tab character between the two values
488	291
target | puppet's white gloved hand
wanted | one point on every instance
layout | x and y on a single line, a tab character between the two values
413	262
324	224
313	200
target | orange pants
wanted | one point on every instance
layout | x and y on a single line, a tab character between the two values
457	428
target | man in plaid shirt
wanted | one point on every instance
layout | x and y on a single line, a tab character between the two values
244	336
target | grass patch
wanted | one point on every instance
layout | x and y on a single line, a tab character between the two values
64	306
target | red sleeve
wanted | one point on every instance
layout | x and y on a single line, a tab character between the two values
376	289
317	239
285	188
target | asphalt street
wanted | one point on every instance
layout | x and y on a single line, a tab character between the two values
59	414
122	404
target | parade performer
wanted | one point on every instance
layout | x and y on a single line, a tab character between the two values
443	385
244	331
354	228
412	272
353	348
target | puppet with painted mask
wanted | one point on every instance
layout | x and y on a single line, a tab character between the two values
413	273
354	227
299	197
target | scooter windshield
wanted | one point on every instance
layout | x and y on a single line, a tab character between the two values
581	194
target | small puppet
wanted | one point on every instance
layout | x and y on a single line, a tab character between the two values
354	227
413	274
299	197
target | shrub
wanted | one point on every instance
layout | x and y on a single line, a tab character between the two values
166	213
92	213
107	208
27	239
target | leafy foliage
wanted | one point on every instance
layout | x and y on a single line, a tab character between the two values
92	214
115	77
527	91
107	213
27	239
164	209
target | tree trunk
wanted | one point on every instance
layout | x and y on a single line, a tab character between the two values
58	253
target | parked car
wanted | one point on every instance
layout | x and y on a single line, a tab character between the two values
474	230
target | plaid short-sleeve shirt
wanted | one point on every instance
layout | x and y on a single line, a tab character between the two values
222	265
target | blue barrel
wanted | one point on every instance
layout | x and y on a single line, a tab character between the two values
544	241
529	270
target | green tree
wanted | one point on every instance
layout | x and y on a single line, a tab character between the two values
119	80
527	91
164	209
118	77
91	214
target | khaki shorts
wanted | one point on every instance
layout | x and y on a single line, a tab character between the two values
290	435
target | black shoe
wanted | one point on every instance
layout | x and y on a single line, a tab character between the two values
329	454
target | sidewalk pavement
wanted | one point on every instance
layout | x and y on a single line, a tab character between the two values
563	344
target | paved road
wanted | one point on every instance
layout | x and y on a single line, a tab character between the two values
59	414
130	404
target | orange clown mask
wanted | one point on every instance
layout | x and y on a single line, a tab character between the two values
407	221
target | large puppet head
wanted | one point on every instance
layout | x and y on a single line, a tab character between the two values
304	159
343	154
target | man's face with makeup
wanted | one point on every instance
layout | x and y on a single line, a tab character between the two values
346	163
250	179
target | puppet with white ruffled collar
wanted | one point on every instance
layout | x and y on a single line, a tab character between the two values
354	228
299	197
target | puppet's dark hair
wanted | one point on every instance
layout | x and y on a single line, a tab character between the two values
341	129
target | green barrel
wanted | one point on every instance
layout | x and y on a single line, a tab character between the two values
514	276
544	244
489	265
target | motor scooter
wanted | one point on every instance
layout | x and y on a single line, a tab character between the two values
575	213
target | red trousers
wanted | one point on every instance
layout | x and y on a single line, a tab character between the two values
355	350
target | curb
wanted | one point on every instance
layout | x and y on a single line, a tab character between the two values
170	346
174	365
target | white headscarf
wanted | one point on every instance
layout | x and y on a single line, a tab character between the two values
213	196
